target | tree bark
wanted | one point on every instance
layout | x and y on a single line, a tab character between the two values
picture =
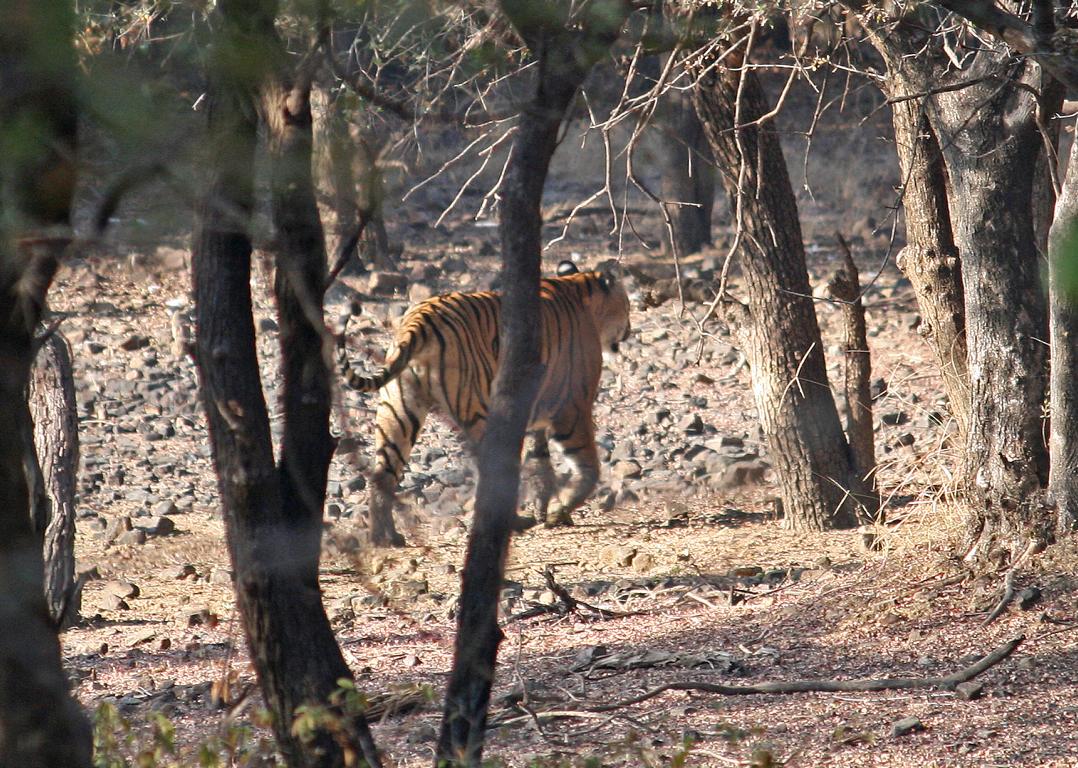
779	332
845	286
56	438
564	59
1063	314
41	726
272	513
688	182
991	150
930	259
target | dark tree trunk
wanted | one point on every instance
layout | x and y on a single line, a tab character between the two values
991	159
930	259
688	174
779	333
1063	311
56	438
564	59
846	287
272	513
41	726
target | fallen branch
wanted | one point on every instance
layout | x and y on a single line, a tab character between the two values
1008	596
566	604
948	682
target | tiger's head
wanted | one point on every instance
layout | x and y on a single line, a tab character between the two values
609	305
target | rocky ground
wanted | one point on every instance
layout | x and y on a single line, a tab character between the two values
680	548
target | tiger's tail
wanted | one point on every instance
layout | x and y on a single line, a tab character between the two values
395	364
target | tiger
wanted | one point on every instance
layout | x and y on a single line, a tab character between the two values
444	357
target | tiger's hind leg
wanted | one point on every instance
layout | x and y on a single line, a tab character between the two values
547	481
400	417
537	460
575	434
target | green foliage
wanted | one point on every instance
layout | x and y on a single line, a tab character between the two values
119	743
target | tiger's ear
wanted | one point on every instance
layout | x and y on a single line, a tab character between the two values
566	267
609	275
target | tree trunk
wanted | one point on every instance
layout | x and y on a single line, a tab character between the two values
846	287
41	726
563	62
272	513
56	438
779	332
991	158
930	259
338	153
1063	312
688	181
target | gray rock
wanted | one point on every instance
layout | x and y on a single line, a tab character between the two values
969	690
160	526
691	424
386	283
221	576
134	342
122	589
627	469
905	726
113	603
135	537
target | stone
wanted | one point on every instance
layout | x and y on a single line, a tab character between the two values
160	526
135	342
122	589
643	562
626	469
222	576
691	424
117	527
113	603
185	571
135	537
617	555
418	292
905	726
970	690
422	734
895	418
164	508
386	283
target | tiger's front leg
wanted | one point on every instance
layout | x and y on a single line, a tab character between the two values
578	444
400	416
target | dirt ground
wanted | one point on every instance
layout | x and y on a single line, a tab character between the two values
698	578
681	546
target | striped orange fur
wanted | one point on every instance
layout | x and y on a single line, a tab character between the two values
445	356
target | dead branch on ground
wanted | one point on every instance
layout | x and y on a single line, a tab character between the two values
947	683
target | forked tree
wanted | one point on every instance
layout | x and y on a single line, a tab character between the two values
272	510
776	327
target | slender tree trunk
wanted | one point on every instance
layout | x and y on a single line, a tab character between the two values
563	62
930	259
272	513
991	159
1063	310
41	726
688	182
779	332
338	153
846	287
56	438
